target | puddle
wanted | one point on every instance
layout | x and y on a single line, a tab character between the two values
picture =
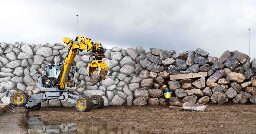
36	126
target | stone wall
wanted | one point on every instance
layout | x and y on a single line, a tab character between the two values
135	75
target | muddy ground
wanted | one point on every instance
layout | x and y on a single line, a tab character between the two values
217	119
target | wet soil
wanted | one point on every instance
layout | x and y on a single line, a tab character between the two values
217	118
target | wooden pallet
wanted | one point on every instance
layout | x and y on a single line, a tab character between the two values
3	108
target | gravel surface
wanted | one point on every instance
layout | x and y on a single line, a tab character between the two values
217	118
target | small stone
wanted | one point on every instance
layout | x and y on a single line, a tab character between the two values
134	86
129	100
144	74
6	70
225	56
168	61
147	82
197	92
236	86
141	93
155	51
200	60
122	95
215	77
153	101
201	52
155	93
191	99
218	97
145	63
174	85
186	85
231	93
23	55
207	91
190	59
94	92
140	101
200	83
152	75
127	60
107	82
246	84
218	89
112	87
222	81
180	93
27	49
204	100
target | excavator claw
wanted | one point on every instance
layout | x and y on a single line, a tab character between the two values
98	70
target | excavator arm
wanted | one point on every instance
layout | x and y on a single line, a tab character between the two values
97	69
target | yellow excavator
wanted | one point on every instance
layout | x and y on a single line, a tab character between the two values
57	82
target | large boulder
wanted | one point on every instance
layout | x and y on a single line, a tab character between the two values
238	77
44	51
117	100
218	97
127	69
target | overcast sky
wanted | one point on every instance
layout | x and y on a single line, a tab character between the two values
214	25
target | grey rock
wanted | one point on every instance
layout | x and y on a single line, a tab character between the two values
141	93
83	71
190	59
154	59
147	82
23	55
122	95
5	79
155	93
204	68
135	79
28	80
55	52
6	70
127	60
231	63
38	60
217	65
107	82
200	83
182	55
94	92
138	68
21	86
2	74
253	64
231	93
236	86
27	49
197	92
116	49
145	63
7	85
140	101
92	87
18	71
11	56
194	68
112	87
155	51
105	101
180	93
13	64
117	100
173	69
4	60
200	60
181	64
121	76
204	100
225	56
110	95
127	69
218	89
201	52
191	99
164	54
116	55
127	91
17	79
215	77
168	61
44	51
121	84
174	85
218	97
159	80
129	100
207	91
153	101
155	68
241	57
132	52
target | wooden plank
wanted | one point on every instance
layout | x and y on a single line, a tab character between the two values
188	76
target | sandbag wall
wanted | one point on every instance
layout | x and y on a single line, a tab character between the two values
135	75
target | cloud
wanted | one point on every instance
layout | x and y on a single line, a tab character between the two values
215	26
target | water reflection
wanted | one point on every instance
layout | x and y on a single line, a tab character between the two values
36	126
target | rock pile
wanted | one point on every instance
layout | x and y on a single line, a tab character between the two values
135	75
